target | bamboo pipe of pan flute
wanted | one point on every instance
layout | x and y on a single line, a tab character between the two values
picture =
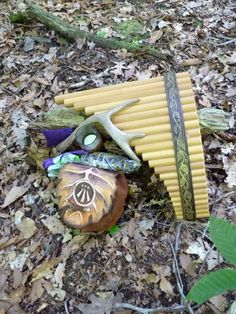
170	182
145	103
60	98
201	202
172	175
149	113
157	129
80	103
170	168
165	162
167	144
175	188
144	90
154	138
157	121
202	211
202	191
196	197
167	153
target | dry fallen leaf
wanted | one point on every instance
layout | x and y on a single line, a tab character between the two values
187	264
15	193
54	225
45	269
156	36
220	302
27	228
97	305
150	278
189	62
166	286
37	290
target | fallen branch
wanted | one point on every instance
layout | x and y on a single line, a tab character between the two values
160	309
72	33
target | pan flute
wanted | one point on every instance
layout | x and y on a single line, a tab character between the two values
172	144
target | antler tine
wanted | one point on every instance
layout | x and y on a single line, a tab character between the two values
122	105
104	118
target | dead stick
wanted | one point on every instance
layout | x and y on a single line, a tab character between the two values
160	309
73	33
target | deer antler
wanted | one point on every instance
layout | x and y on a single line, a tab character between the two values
104	118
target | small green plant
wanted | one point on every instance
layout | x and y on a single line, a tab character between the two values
113	230
131	30
223	235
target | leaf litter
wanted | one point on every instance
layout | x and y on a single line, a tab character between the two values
48	268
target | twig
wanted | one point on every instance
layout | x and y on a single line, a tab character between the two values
221	197
169	309
175	268
227	42
66	307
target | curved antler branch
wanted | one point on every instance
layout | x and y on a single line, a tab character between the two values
104	119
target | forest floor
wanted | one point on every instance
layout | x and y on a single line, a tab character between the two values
48	268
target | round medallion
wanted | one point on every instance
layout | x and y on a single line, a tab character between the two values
84	193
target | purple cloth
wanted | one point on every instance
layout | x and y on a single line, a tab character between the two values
54	137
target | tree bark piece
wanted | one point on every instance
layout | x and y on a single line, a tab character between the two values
73	33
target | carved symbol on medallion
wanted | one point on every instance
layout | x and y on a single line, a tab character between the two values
84	193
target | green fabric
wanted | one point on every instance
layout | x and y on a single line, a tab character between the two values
59	162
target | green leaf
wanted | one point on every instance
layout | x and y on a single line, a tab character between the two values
213	284
114	229
17	17
223	235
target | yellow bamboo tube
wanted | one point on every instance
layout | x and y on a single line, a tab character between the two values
155	121
162	146
201	202
176	204
202	196
199	185
81	102
149	114
153	138
134	92
175	199
172	167
203	209
145	103
170	182
158	146
193	150
60	98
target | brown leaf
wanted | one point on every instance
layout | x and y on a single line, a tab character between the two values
155	36
27	228
17	277
166	286
220	302
189	62
15	193
187	264
98	305
5	242
37	290
44	269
